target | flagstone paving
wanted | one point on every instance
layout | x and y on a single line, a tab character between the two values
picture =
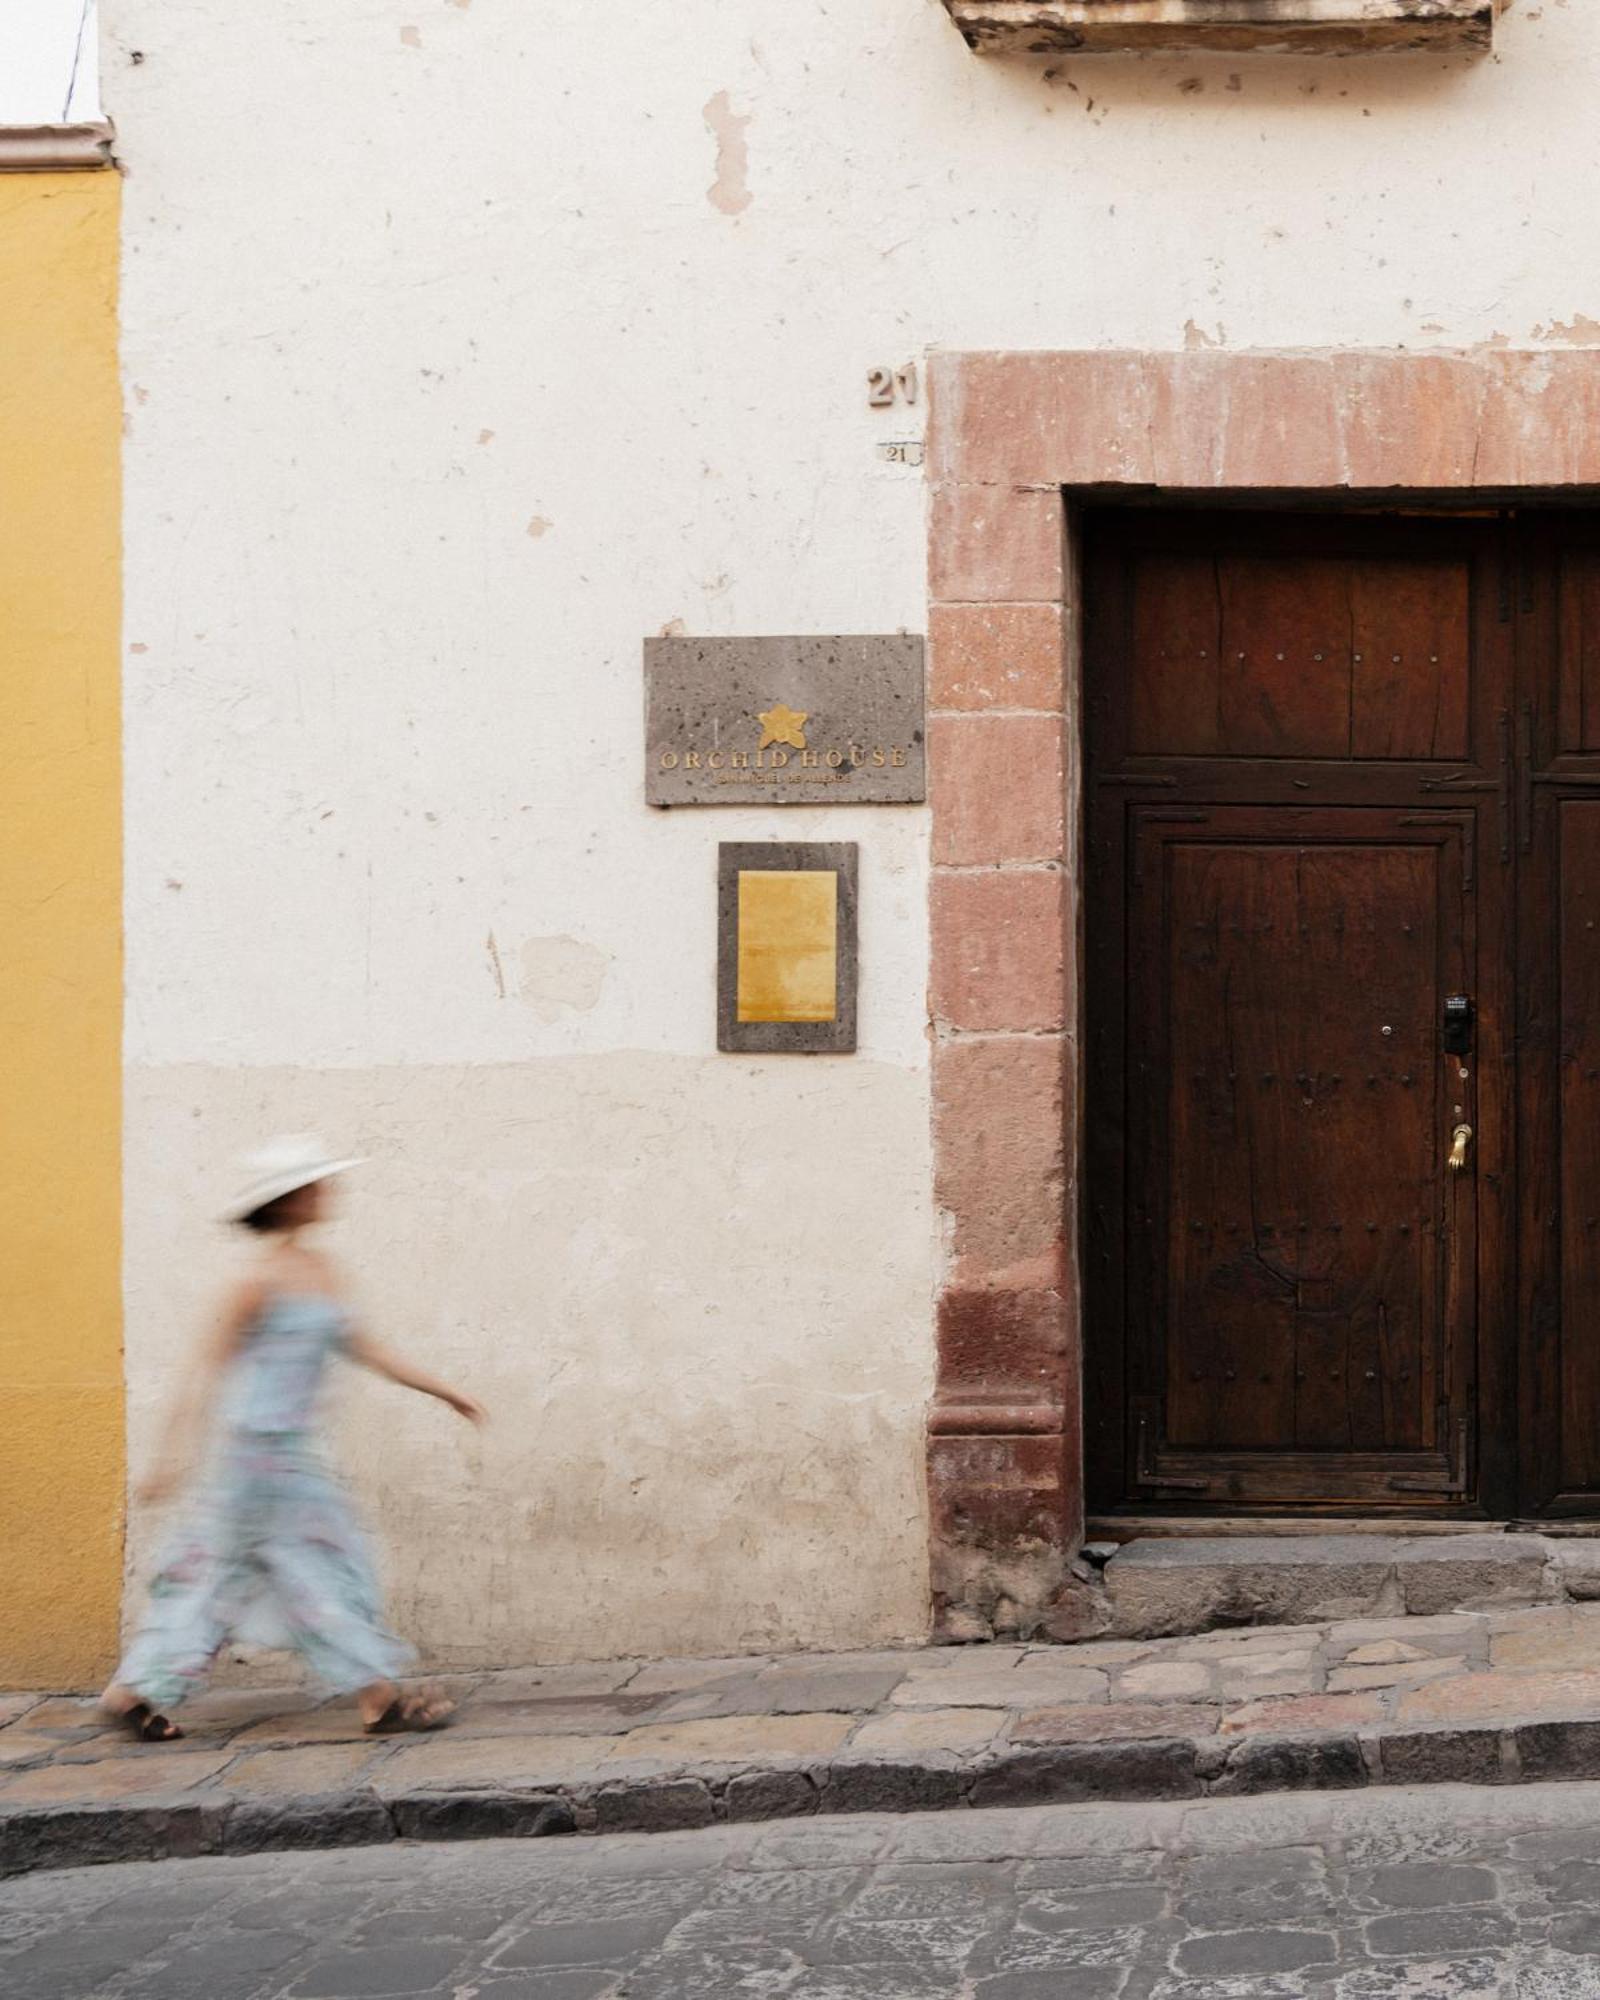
1434	1894
1491	1695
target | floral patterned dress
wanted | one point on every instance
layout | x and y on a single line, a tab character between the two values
271	1552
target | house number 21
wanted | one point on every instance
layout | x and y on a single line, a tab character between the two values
888	385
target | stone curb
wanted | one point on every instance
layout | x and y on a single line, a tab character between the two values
211	1823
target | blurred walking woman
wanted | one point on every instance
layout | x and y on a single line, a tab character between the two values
269	1550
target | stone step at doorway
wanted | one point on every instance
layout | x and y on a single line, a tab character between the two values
1163	1586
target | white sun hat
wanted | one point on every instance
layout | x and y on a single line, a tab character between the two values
295	1160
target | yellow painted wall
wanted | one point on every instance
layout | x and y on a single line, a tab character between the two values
61	1400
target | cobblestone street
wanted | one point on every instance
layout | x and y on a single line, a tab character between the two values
1441	1894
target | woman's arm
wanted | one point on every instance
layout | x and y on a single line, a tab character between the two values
366	1352
197	1394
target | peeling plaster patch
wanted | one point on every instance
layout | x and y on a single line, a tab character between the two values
138	646
1195	336
539	526
673	629
1579	331
730	191
495	966
486	437
559	975
412	37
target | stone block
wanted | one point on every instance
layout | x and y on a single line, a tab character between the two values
134	1775
677	1676
588	1678
1411	1673
1068	1773
998	788
833	1690
1008	1346
663	1805
999	939
1439	1756
78	1836
1117	1721
19	1746
1503	1697
1041	1678
1576	1567
332	1819
1445	1572
317	1770
743	1739
1297	1714
996	545
770	1795
1565	1636
1291	1764
1161	1587
501	1763
1454	1632
991	1659
557	1715
1560	1749
1076	1609
1165	1680
1239	1687
481	1815
989	657
996	1493
1000	1110
1239	1647
890	1786
1223	1960
1084	416
927	1732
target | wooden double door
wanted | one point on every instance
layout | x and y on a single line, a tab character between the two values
1342	1210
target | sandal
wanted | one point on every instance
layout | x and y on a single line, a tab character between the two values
414	1711
145	1726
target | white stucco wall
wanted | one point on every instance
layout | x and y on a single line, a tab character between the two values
465	344
49	62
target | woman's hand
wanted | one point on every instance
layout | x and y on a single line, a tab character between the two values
468	1407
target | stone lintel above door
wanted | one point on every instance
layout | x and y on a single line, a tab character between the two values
1183	27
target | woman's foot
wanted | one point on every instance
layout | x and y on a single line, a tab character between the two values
424	1710
123	1707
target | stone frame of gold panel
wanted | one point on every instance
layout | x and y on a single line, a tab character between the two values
786	919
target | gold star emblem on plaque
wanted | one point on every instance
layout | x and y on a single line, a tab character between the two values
782	725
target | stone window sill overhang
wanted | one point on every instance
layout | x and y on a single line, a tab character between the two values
45	149
1186	27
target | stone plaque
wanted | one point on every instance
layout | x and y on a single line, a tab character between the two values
736	722
786	947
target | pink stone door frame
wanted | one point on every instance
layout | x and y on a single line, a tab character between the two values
1014	441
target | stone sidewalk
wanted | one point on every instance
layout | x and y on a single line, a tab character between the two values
1490	1696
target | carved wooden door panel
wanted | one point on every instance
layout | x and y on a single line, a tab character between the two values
1556	759
1300	857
